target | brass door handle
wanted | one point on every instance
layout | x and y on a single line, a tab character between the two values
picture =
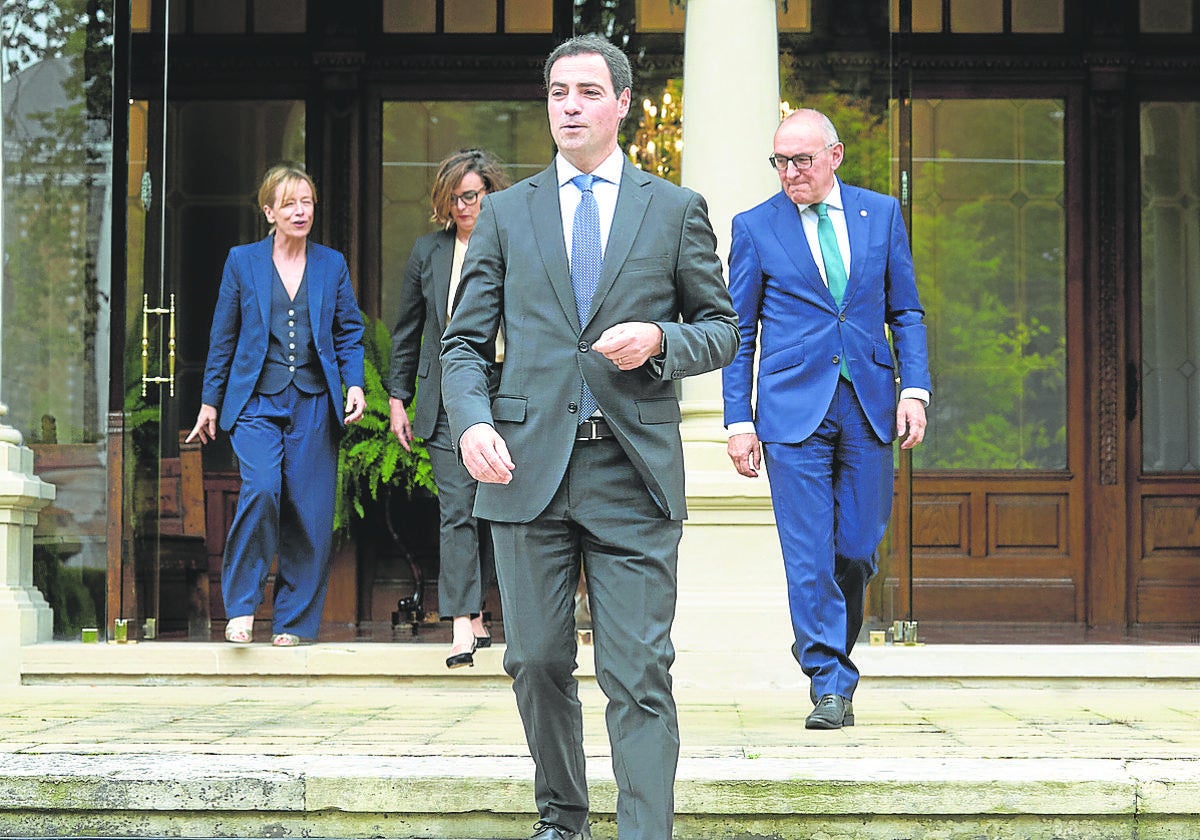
169	380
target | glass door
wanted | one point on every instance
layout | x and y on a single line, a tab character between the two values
150	335
194	167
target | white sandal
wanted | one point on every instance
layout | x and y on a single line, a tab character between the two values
285	640
240	630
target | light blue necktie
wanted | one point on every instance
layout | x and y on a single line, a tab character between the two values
586	261
835	268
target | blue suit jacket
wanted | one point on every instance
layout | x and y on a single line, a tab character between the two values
237	347
776	287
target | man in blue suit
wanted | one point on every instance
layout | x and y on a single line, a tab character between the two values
819	274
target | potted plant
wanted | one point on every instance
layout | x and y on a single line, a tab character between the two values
371	462
386	498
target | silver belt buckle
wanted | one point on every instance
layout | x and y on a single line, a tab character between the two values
591	430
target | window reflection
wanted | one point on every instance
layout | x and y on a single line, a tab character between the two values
56	285
1170	287
988	233
417	136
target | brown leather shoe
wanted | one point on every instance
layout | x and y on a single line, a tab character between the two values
832	712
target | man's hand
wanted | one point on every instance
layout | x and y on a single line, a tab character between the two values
629	345
485	454
401	426
910	422
356	404
206	425
746	453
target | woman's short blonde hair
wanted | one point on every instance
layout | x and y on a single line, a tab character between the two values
452	170
281	181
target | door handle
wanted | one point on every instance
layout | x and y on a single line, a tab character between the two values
169	379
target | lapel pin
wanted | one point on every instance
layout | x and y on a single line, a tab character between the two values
862	213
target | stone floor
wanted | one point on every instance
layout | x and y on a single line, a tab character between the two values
952	742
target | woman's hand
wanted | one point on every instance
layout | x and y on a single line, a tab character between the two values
356	403
401	426
206	425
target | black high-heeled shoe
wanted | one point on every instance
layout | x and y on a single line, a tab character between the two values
462	660
483	641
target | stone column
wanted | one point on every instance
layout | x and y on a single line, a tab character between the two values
25	617
731	586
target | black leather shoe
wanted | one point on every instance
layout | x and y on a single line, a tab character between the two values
832	712
483	641
549	831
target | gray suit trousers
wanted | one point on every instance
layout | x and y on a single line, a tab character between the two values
465	570
603	516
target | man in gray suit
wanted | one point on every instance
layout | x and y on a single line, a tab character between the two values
608	286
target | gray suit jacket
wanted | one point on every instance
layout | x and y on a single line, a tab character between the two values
415	367
660	265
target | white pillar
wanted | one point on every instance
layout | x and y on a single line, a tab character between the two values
732	596
25	617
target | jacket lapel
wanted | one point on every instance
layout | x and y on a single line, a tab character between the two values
264	273
858	227
315	277
789	230
440	262
546	217
633	200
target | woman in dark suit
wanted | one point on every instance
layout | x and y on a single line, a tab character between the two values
427	296
286	336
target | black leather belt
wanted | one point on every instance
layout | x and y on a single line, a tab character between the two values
594	429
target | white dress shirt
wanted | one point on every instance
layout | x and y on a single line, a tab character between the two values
604	190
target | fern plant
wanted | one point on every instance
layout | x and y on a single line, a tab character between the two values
369	456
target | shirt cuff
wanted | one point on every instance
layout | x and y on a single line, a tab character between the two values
742	427
916	394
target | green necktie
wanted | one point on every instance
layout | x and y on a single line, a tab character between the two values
835	269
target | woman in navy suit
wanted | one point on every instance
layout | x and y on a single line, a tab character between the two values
427	296
286	336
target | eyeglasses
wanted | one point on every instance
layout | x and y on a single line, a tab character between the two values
468	198
801	162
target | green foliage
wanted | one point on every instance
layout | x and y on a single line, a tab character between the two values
998	340
73	593
369	456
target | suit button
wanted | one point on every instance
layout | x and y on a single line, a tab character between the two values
837	360
572	408
841	316
583	347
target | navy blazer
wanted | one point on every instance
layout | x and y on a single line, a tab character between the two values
776	287
241	329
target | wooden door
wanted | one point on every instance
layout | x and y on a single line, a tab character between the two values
1164	403
998	495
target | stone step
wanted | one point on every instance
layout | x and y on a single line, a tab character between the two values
373	740
367	663
434	796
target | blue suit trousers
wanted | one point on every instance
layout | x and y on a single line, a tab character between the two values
832	495
287	455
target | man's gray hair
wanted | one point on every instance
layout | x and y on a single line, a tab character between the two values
828	132
618	63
